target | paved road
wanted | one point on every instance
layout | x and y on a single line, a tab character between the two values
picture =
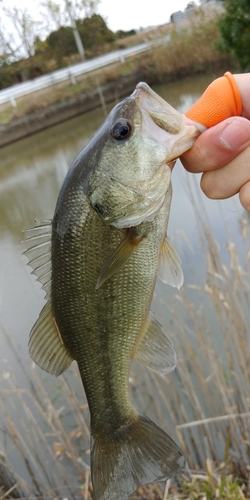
70	72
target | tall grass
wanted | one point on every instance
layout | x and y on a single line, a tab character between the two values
47	439
212	404
191	50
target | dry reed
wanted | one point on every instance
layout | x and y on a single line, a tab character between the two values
205	401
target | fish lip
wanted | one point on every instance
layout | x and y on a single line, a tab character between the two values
165	106
161	113
146	88
173	128
143	92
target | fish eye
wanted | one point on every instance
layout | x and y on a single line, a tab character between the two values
121	130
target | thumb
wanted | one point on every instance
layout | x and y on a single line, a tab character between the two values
218	146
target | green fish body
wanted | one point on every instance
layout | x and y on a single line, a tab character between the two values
108	243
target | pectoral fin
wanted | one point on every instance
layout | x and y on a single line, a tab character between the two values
156	349
170	270
118	258
45	345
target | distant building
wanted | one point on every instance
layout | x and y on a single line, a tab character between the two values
208	7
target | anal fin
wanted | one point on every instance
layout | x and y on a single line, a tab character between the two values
45	345
156	349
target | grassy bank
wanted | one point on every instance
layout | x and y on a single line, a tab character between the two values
190	51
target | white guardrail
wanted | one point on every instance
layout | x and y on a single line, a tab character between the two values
70	72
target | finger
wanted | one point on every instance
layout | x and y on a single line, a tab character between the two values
245	196
218	145
228	180
243	83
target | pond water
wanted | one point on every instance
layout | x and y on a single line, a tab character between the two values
31	173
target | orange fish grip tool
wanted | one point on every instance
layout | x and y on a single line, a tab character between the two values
220	100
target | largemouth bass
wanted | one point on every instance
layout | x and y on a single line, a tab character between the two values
98	260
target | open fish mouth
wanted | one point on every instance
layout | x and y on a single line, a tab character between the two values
164	123
162	113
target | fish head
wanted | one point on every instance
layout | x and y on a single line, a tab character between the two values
136	148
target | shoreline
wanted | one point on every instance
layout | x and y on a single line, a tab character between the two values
190	52
53	114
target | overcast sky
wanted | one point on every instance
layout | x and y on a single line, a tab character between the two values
133	14
118	14
121	14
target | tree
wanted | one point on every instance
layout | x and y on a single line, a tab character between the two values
7	45
94	34
124	34
17	32
61	42
67	14
56	13
234	27
82	8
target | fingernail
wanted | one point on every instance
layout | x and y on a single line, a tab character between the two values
235	134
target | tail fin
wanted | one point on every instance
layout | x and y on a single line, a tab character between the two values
138	454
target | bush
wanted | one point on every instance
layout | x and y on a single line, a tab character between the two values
234	27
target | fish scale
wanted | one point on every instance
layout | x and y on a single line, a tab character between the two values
112	307
108	244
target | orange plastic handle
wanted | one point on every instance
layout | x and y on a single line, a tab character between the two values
220	100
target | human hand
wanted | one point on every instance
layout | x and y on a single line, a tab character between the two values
222	153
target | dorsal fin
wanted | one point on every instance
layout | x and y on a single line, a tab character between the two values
38	251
